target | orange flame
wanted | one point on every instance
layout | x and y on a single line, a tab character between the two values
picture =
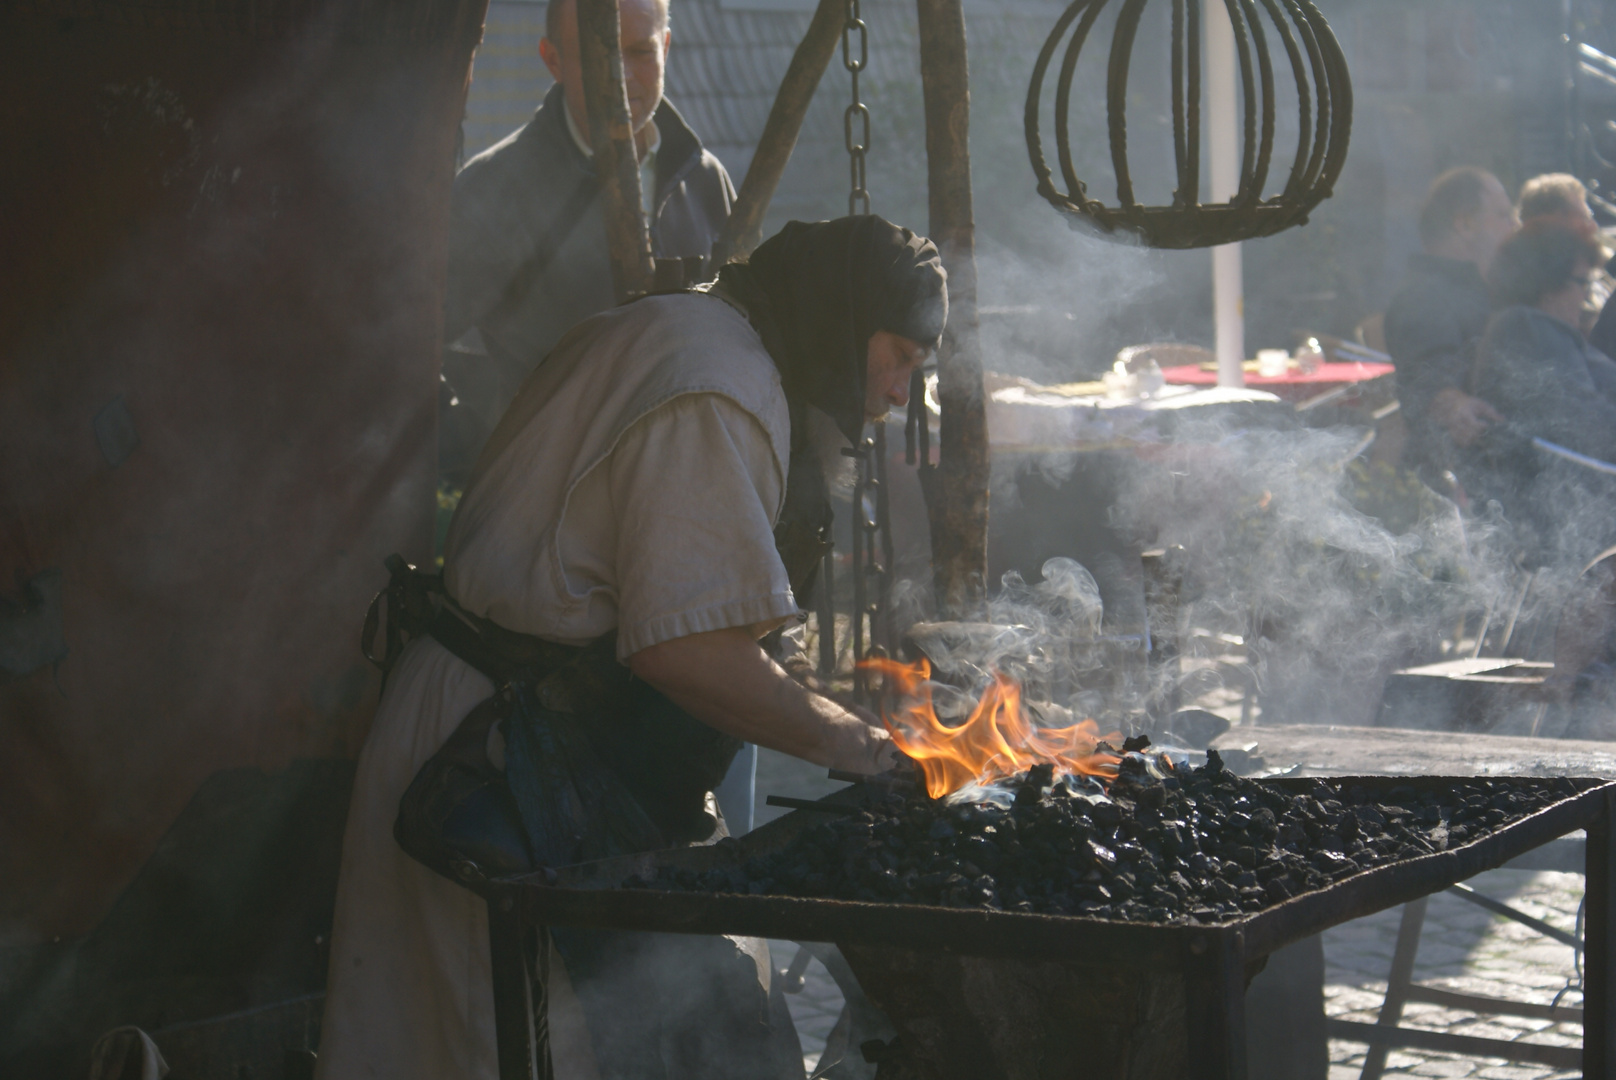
995	742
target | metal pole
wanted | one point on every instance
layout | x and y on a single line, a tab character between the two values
520	1014
1598	1003
611	137
1215	1005
1397	984
957	494
744	229
1223	139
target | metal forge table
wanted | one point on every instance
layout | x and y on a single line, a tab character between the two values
979	993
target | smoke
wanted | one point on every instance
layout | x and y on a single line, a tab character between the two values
1316	571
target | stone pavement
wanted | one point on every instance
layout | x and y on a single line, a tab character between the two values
1468	949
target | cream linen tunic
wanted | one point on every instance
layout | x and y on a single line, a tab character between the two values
633	485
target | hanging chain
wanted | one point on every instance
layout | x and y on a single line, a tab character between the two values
856	148
871	556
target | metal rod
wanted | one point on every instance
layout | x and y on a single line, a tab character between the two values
809	804
1382	1038
826	609
1598	1003
1571	455
883	632
611	138
744	229
522	1048
1397	984
1478	1003
1515	614
1465	892
1215	1000
959	510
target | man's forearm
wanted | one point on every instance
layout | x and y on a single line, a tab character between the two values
725	679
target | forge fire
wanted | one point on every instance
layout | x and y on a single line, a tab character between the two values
1203	845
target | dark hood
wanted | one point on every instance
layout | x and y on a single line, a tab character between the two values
817	292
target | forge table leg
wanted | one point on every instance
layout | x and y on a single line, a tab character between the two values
1215	1005
1598	1001
518	955
1397	983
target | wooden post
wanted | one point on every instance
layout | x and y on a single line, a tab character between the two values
744	229
611	137
957	493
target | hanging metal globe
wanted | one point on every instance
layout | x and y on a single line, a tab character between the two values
1323	94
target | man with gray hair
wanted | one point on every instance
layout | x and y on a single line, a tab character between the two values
527	244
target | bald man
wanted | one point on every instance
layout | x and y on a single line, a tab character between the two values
527	245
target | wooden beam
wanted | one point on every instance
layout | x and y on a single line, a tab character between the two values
611	137
744	229
957	494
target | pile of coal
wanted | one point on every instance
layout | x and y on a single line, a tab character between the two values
1152	846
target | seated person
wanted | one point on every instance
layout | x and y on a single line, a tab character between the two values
1537	369
1561	199
1439	312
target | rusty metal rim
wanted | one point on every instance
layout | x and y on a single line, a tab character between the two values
1001	933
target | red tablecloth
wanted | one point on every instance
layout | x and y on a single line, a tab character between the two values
1294	385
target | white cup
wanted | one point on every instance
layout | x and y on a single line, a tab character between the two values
1273	363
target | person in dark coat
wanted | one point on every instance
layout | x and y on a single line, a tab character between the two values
1537	369
527	243
1562	199
1439	313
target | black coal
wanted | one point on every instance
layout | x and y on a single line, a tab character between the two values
1195	845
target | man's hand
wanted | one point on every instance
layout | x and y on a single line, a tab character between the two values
723	678
1463	417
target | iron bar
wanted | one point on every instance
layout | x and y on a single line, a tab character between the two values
1397	984
1598	1003
520	1013
881	630
1557	1057
611	138
1479	1003
809	804
1215	1004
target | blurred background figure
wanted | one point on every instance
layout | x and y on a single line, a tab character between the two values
1562	199
1536	367
527	245
1439	312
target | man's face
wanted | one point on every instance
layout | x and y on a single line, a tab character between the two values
644	37
1490	225
889	362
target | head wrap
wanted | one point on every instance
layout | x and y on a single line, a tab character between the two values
816	294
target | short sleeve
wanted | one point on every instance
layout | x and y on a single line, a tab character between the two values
695	488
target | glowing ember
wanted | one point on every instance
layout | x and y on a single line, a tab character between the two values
997	741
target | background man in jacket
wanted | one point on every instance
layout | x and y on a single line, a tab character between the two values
527	246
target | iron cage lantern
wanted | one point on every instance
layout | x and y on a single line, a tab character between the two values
1324	114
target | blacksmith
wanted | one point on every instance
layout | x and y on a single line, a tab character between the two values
527	246
648	509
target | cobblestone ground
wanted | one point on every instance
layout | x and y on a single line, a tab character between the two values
1467	949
